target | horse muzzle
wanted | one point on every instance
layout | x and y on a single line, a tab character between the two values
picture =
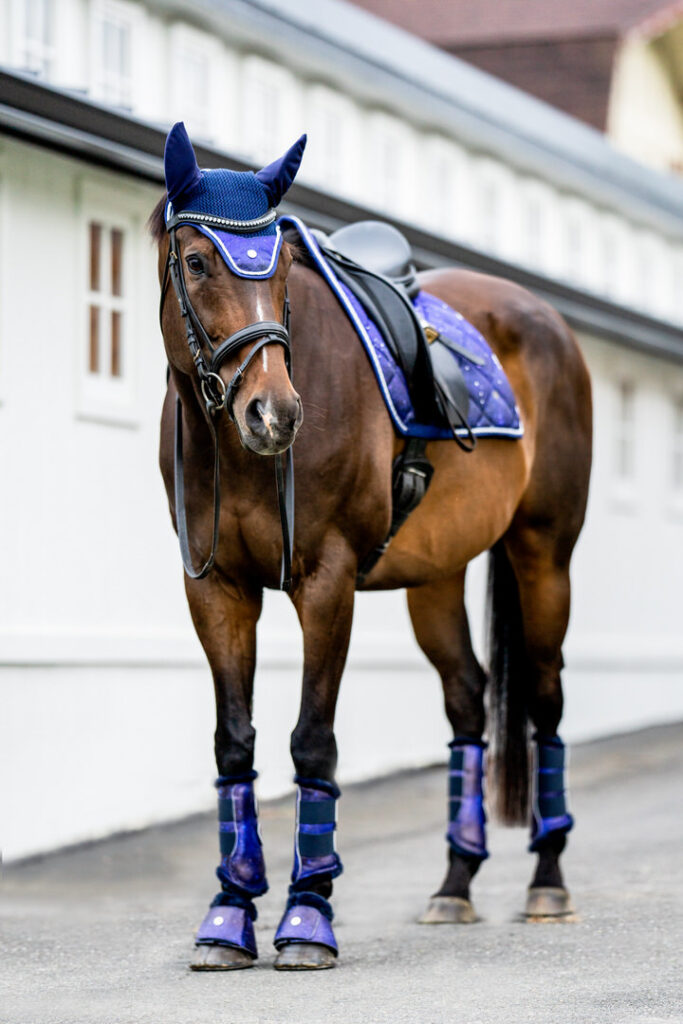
269	426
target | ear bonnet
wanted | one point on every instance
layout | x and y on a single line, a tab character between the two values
234	209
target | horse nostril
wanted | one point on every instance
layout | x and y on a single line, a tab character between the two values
253	417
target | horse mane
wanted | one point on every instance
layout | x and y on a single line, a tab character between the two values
156	225
300	253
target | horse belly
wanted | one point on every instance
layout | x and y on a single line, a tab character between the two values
469	505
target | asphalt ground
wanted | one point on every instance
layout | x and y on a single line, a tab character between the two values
103	933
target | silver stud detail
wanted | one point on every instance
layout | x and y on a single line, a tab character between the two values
252	254
295	920
218	920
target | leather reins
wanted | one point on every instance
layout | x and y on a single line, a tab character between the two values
218	397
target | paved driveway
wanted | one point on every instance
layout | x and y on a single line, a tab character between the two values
102	934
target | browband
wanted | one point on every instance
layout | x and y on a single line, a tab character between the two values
239	227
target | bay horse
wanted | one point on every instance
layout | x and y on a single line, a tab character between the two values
524	501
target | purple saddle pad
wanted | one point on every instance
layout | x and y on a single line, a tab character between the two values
492	410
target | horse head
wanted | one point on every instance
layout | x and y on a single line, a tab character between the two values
228	265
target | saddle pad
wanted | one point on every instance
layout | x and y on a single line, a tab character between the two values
492	412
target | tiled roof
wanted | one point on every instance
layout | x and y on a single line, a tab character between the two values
450	23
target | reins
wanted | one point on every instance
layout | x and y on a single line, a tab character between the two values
217	397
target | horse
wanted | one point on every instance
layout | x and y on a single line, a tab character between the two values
228	420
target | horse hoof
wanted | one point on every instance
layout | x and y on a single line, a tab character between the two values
304	956
448	910
220	958
547	904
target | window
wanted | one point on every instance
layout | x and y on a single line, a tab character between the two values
35	36
625	433
489	214
106	300
271	108
389	165
195	58
110	316
113	54
574	247
533	228
677	449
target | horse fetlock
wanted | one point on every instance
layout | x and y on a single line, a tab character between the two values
314	751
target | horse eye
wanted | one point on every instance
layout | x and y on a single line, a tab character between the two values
195	265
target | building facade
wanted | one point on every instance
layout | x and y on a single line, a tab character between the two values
106	695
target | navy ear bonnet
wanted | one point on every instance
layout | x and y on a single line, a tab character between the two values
235	209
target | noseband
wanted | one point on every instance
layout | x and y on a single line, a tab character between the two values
217	396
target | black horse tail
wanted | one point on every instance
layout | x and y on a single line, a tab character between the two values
507	710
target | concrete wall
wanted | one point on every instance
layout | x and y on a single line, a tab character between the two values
107	706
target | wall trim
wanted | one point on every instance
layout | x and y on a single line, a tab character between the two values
282	651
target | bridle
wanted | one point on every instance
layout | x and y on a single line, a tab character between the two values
218	397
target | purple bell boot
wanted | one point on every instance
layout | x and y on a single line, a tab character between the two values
241	872
308	916
466	818
549	809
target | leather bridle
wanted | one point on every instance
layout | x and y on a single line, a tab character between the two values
217	396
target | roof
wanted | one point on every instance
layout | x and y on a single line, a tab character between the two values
458	22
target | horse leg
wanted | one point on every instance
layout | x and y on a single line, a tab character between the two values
324	603
225	620
540	561
440	622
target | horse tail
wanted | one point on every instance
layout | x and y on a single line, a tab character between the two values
507	710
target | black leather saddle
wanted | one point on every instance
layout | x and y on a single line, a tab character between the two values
375	261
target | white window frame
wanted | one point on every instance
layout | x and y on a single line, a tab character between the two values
624	433
116	90
101	396
24	51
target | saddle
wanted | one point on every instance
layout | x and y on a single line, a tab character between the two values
375	262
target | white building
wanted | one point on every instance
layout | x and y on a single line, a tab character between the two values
107	707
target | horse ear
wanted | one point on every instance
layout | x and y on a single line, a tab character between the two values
180	163
278	176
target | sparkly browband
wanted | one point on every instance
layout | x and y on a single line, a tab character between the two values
241	227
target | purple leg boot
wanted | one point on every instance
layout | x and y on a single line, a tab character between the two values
225	939
549	810
466	833
548	900
304	938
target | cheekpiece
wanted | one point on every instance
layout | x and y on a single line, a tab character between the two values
467	818
235	210
549	810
